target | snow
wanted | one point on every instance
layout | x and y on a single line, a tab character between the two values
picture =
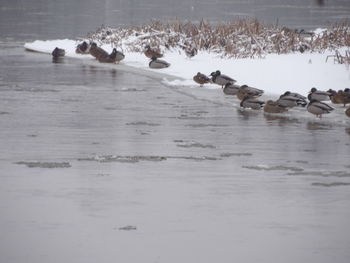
275	74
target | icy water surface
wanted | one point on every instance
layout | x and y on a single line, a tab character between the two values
101	165
47	19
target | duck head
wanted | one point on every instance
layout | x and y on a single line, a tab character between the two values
313	90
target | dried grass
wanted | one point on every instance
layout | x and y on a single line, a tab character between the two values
244	38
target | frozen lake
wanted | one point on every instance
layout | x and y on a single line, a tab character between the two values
88	154
103	165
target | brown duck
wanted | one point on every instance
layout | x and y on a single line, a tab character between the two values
201	79
150	53
273	107
97	52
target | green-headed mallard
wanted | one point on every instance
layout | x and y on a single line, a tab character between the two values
318	95
158	63
221	79
245	90
253	103
318	108
290	101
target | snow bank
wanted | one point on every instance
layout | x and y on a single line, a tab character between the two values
297	72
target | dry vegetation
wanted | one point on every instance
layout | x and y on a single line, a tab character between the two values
237	39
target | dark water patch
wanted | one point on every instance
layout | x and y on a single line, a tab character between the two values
196	145
203	125
226	155
34	90
128	228
309	150
32	135
142	123
330	184
70	100
131	90
273	168
178	141
302	161
123	159
110	108
187	117
202	158
347	166
45	164
4	113
138	158
322	173
201	112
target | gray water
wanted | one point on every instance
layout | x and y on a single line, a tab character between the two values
102	165
46	19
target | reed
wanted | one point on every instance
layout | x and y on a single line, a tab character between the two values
243	38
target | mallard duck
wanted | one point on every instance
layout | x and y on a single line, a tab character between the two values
253	103
58	52
347	112
245	90
158	63
231	89
273	107
294	94
83	48
318	108
340	97
201	79
318	95
97	52
191	52
114	57
290	101
150	53
221	79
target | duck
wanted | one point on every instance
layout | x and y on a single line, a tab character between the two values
114	57
201	79
318	108
221	79
83	48
191	52
97	52
340	97
245	90
253	103
158	63
230	89
294	94
319	95
58	52
347	112
290	101
150	53
273	107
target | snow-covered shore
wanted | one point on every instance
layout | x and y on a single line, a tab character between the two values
275	74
